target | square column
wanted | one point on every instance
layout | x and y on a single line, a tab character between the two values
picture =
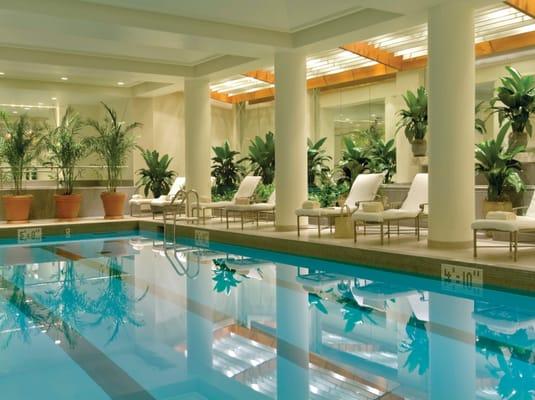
197	118
290	136
451	124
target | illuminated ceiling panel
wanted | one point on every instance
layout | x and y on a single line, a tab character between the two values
490	23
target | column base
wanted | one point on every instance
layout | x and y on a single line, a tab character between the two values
437	244
285	228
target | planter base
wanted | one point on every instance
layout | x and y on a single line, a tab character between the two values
67	206
17	208
113	203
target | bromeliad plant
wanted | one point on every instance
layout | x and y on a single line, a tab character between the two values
499	166
113	143
317	160
20	143
262	157
414	119
157	177
353	162
65	150
225	169
517	95
382	157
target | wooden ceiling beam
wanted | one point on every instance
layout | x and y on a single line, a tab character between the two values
373	53
525	6
264	76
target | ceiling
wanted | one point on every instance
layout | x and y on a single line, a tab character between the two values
142	43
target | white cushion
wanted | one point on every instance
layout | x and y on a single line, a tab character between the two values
417	193
216	204
364	188
177	186
248	186
140	201
251	207
387	215
512	225
163	200
322	212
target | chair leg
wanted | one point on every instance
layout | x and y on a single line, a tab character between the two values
510	242
355	233
257	218
382	234
418	228
319	226
226	214
388	229
241	219
364	228
398	227
298	227
204	216
515	256
475	243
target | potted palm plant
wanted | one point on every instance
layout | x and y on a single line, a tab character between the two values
262	157
65	152
113	143
517	97
501	170
414	120
157	177
20	143
226	170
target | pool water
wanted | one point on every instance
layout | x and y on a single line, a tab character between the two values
127	318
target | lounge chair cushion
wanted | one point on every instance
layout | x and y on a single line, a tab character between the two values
320	212
138	201
387	215
512	225
251	207
216	204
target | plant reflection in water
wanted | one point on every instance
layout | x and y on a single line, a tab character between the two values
416	345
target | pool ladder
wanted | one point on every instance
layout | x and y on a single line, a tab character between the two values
182	200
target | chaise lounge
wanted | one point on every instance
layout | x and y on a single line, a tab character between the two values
255	209
412	208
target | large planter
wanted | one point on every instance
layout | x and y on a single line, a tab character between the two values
489	206
67	206
419	147
518	139
113	203
17	208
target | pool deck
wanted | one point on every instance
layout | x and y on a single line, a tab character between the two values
399	253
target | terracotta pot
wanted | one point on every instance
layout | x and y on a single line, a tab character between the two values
419	147
67	206
113	203
17	208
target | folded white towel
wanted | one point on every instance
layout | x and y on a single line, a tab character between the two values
373	206
310	204
501	215
137	197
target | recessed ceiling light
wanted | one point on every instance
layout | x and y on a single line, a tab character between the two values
15	112
120	83
64	78
53	98
2	73
26	108
40	103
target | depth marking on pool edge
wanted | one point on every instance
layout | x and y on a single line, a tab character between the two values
111	378
458	277
202	238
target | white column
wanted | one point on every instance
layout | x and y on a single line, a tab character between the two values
290	136
197	125
451	124
452	348
292	336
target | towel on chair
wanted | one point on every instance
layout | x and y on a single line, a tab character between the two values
501	215
373	206
242	201
310	204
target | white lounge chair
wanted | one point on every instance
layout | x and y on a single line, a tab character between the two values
255	209
412	208
364	188
139	200
522	224
245	192
158	204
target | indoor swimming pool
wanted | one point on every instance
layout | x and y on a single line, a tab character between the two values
127	317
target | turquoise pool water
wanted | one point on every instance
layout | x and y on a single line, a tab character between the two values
124	318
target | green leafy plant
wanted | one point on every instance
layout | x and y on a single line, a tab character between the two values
480	124
416	345
263	192
353	313
317	161
328	193
224	277
262	157
382	157
20	143
65	149
225	169
354	160
517	95
157	177
414	118
499	166
113	143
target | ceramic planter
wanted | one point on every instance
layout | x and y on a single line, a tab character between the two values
67	206
17	208
113	203
419	147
